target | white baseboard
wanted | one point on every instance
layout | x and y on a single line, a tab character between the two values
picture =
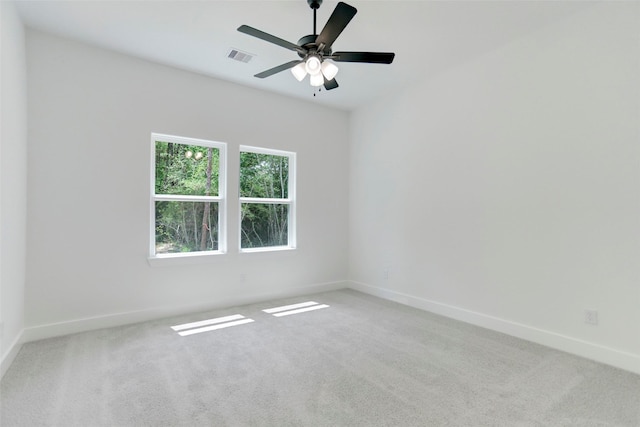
11	353
51	330
599	353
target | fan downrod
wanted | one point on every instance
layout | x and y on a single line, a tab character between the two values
315	5
309	42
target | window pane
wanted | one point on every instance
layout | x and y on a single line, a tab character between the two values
186	226
264	175
186	169
264	225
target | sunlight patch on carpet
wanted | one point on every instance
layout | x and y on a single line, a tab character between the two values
210	324
302	307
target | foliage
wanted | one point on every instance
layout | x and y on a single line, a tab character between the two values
178	172
186	226
264	176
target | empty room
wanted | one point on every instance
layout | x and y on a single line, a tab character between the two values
319	213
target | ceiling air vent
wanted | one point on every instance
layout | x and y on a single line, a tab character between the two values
239	55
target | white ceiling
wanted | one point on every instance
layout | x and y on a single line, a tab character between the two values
427	36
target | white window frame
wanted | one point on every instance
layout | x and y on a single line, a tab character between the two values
220	199
290	200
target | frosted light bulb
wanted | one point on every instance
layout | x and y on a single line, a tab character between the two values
329	69
313	65
299	71
316	79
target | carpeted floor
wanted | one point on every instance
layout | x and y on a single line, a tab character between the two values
361	361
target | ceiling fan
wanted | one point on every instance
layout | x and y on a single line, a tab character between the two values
315	49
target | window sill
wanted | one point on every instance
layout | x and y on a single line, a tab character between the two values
184	258
267	250
273	253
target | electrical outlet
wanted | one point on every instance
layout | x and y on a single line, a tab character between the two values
591	317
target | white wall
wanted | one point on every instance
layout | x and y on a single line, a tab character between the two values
91	114
506	192
13	182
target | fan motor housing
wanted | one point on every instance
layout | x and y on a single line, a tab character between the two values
309	43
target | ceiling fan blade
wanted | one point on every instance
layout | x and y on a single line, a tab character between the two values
370	57
330	84
271	39
277	69
341	16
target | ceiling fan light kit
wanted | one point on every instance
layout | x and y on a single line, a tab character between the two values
314	50
316	70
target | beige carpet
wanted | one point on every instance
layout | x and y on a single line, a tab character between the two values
361	361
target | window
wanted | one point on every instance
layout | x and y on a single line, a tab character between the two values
187	196
267	199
